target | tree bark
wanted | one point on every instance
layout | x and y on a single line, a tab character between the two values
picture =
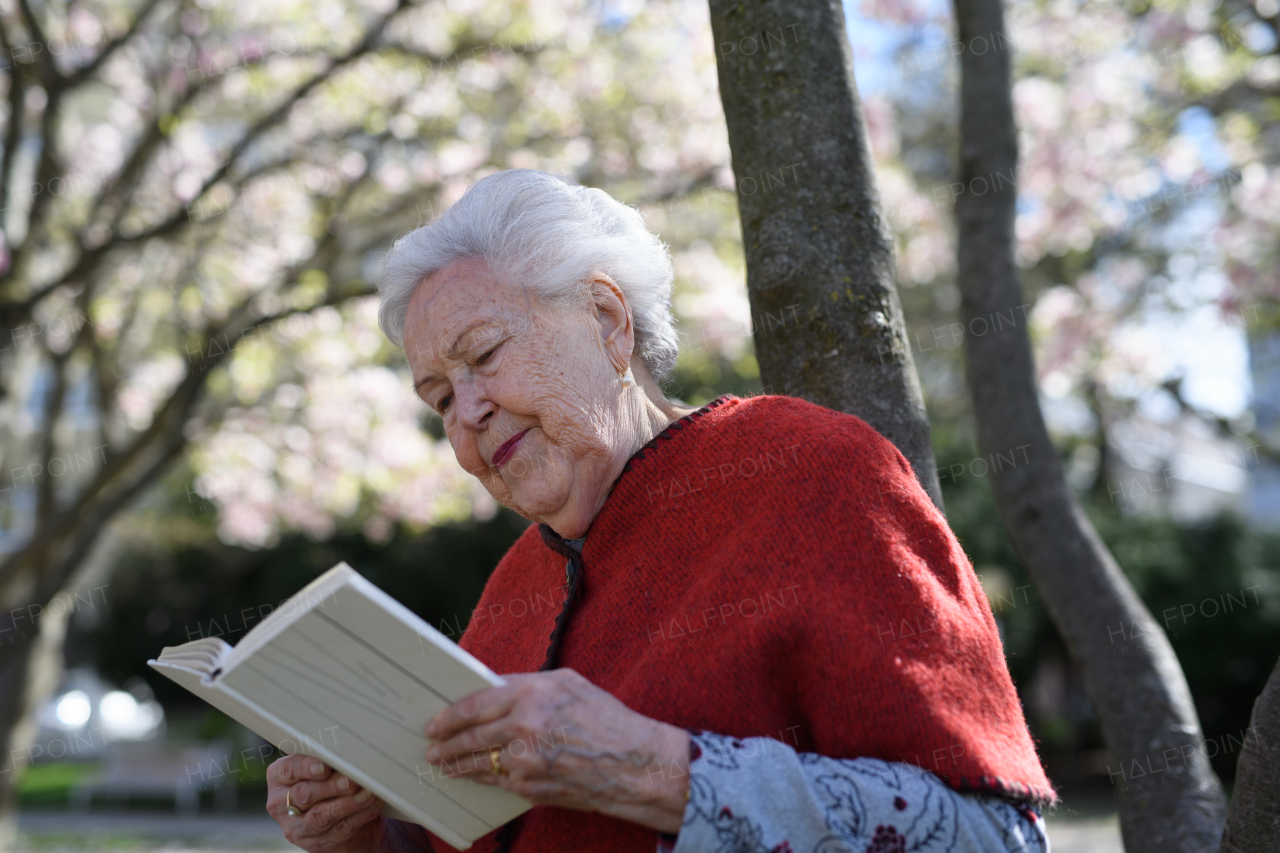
14	666
827	322
1253	823
33	672
1130	672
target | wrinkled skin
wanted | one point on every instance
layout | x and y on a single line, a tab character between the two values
334	817
553	371
494	360
565	742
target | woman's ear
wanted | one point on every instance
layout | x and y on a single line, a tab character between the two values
613	313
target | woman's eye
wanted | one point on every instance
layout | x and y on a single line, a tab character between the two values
443	403
482	359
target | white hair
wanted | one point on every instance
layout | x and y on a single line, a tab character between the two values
545	233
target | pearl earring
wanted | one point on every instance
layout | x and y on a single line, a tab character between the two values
628	381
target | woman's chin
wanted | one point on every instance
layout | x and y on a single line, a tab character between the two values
534	503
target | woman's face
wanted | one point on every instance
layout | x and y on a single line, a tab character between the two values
529	392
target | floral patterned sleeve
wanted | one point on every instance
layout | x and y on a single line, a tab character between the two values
758	795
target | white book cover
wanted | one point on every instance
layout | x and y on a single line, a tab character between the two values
345	673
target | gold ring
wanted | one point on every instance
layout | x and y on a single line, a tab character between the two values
494	753
290	808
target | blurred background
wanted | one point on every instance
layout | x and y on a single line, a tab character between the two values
200	412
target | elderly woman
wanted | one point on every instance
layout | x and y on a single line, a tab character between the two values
742	627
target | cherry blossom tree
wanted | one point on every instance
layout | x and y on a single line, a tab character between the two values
196	195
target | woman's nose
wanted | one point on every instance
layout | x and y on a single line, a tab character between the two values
474	409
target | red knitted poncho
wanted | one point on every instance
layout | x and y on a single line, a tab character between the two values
768	567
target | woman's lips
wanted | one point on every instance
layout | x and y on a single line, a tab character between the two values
507	450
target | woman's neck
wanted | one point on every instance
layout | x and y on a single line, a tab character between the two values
645	413
656	411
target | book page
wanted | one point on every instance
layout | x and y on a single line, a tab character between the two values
204	656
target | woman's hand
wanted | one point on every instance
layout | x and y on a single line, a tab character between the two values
338	816
565	742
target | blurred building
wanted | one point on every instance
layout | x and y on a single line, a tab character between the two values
1191	469
1263	498
1185	468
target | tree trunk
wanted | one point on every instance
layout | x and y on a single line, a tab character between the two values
1130	671
30	671
15	662
38	575
820	272
1253	823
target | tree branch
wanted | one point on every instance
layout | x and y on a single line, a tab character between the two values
75	78
171	417
13	131
276	116
50	416
96	517
92	256
49	74
48	169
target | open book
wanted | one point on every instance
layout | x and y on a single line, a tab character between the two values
345	673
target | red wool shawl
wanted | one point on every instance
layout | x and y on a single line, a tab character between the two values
766	566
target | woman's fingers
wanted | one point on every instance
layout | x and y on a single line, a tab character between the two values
515	717
306	795
465	732
296	768
480	707
284	775
334	809
339	814
353	823
467	752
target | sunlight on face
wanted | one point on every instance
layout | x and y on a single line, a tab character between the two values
498	365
